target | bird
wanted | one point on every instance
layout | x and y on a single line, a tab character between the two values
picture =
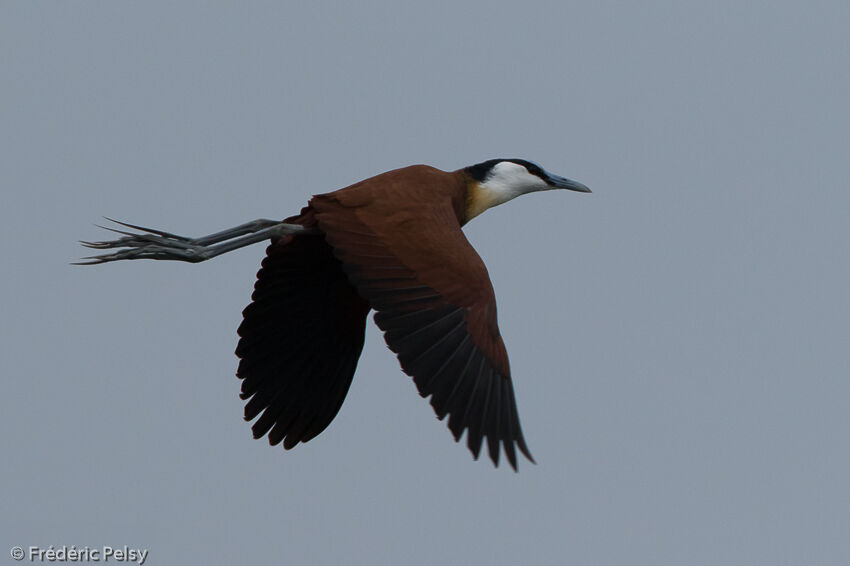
393	244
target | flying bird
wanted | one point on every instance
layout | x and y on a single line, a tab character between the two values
393	244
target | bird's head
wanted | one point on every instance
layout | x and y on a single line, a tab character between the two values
499	180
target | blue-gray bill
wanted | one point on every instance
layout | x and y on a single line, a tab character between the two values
563	183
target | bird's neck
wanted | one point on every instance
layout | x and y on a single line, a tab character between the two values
481	195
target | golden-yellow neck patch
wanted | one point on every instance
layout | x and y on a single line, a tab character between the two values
479	198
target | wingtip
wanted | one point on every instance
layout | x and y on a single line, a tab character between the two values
515	464
525	451
474	443
493	450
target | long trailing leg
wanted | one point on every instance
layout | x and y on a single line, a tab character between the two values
157	244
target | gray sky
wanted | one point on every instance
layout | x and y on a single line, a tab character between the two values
679	339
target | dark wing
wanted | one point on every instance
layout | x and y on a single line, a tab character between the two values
436	306
300	340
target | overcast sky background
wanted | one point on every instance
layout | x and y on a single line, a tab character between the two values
679	339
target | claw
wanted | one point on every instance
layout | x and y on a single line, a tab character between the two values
117	231
162	233
91	260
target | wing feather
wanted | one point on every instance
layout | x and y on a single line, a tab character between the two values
435	304
300	340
